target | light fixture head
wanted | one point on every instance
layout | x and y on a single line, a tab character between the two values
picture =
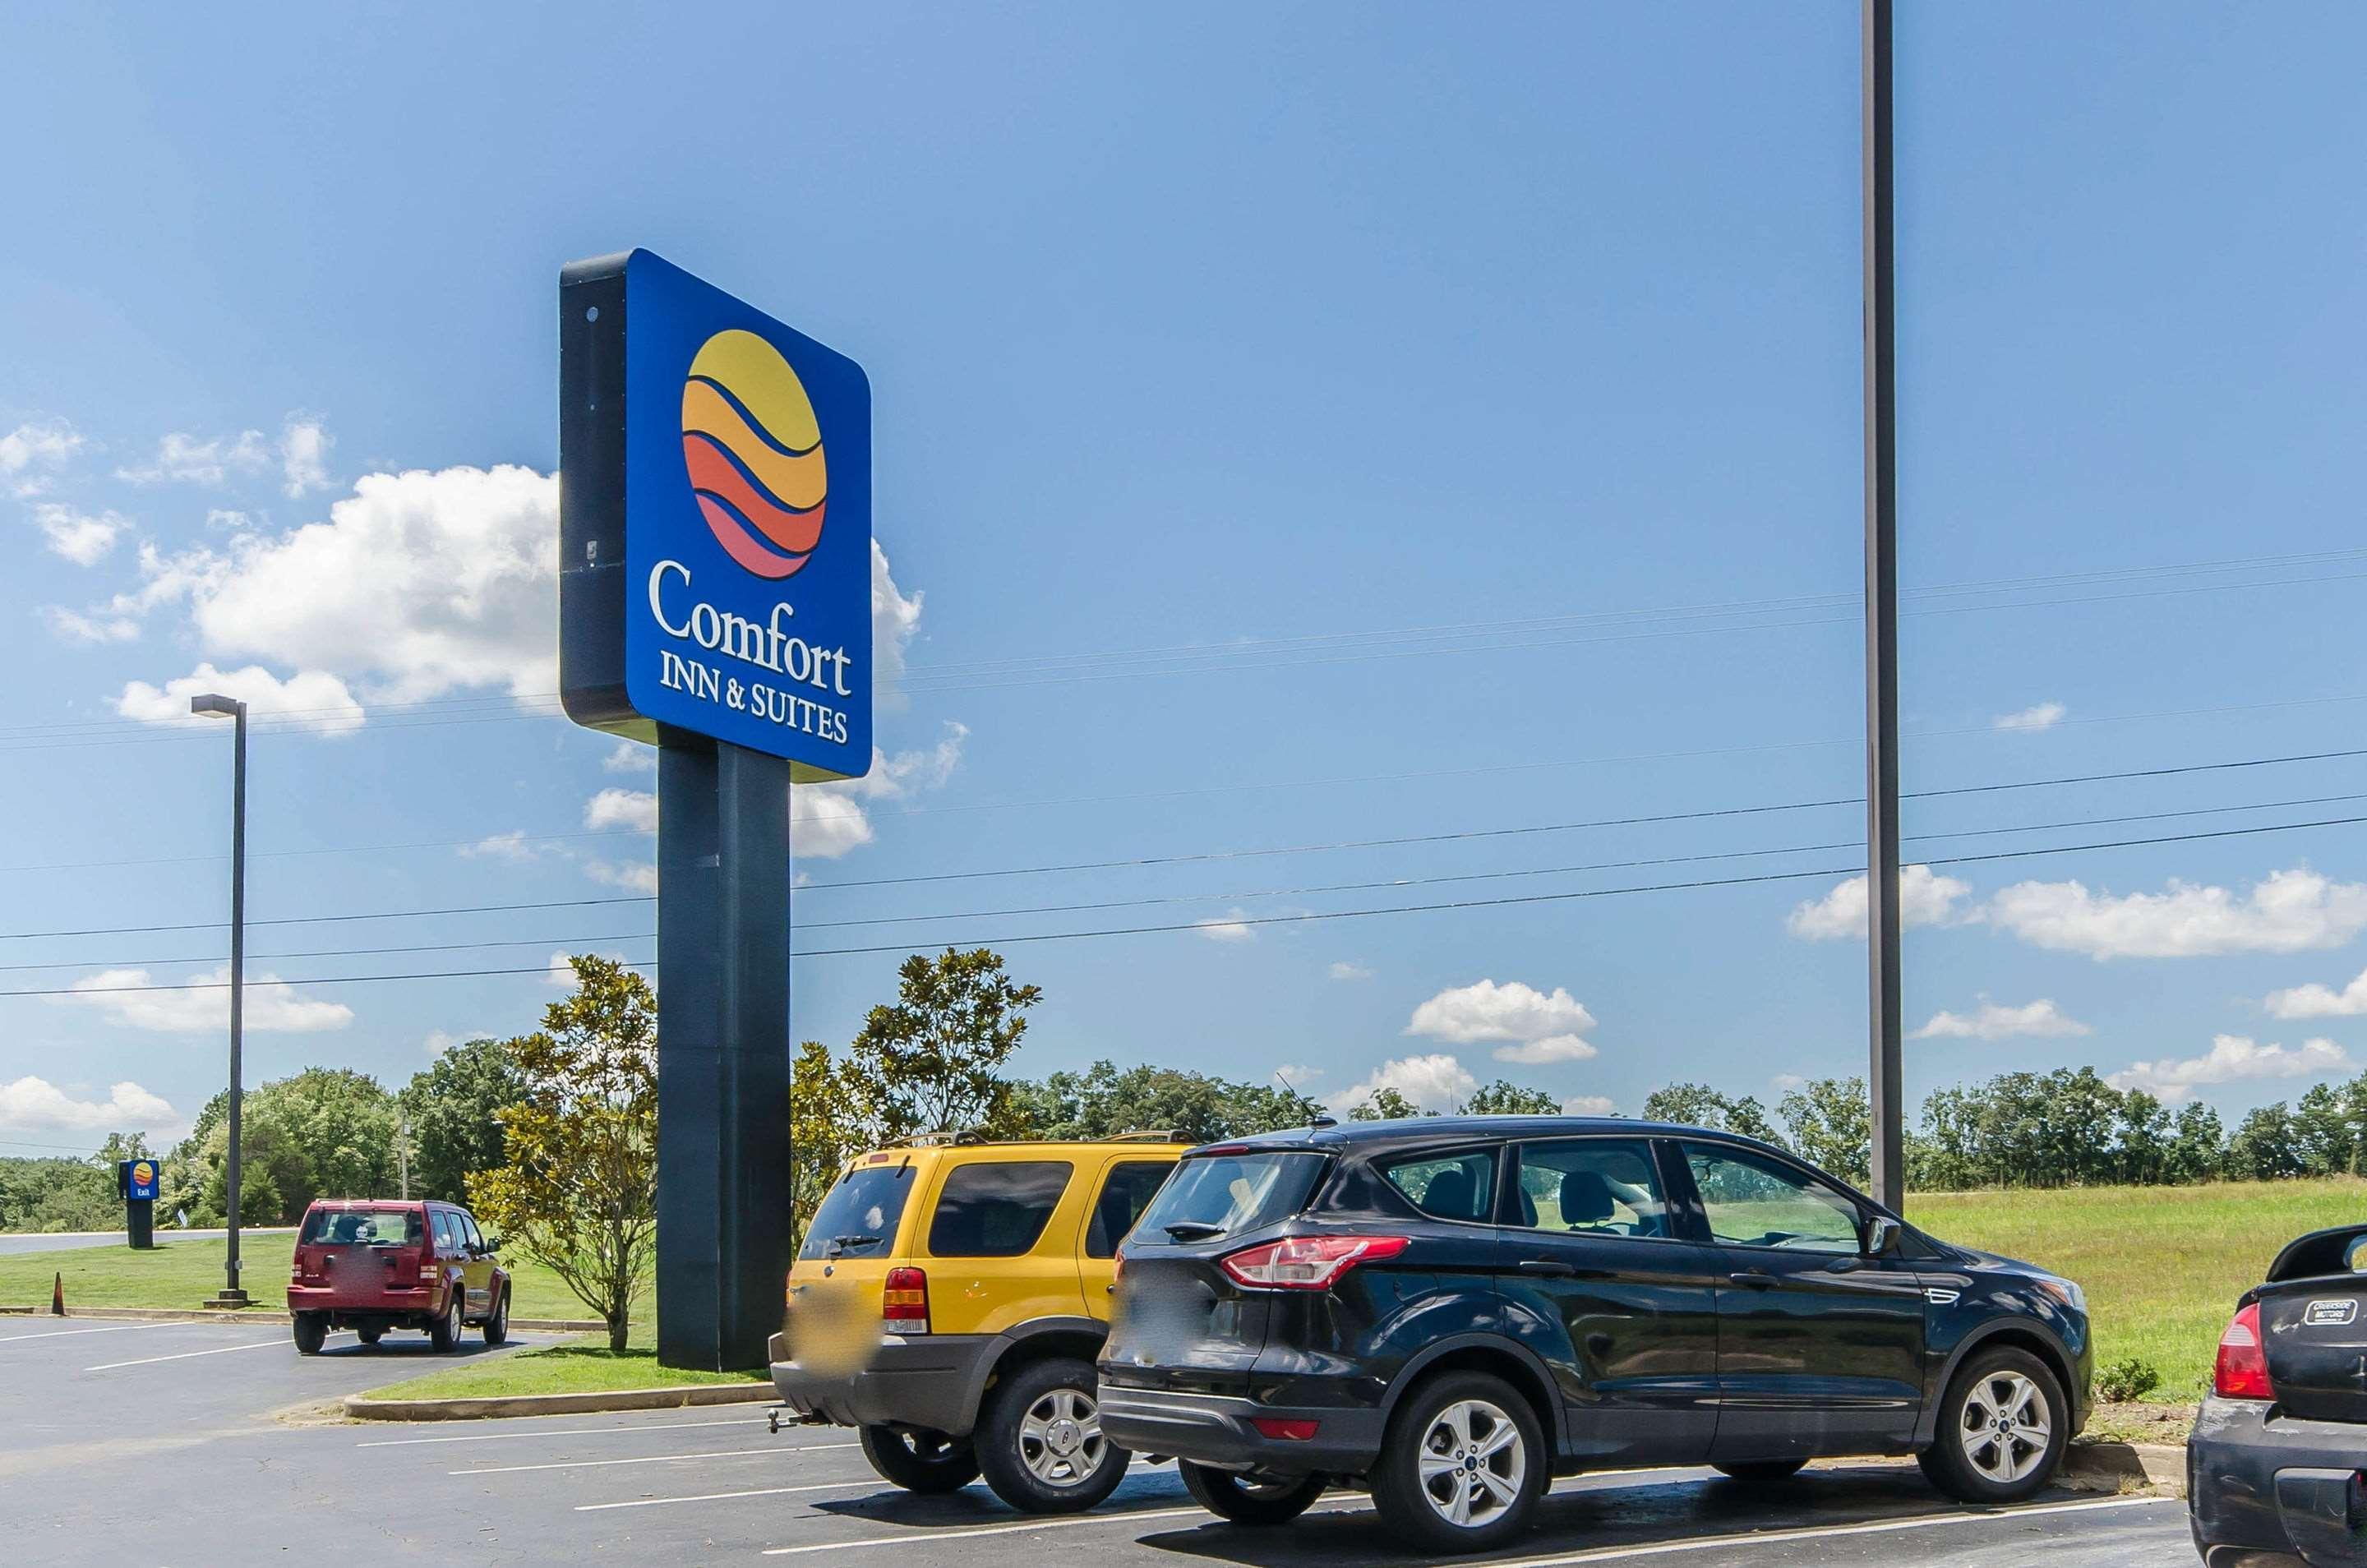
216	707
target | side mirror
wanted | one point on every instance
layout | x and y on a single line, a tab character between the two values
1881	1237
493	1244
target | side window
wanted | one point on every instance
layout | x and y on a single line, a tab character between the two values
1752	1201
446	1244
994	1210
1591	1187
1448	1187
1126	1192
473	1238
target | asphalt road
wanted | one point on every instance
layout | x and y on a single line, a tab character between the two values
64	1241
173	1445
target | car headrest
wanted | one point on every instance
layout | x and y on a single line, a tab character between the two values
1585	1198
1449	1194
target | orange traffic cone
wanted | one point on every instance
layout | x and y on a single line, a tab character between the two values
57	1295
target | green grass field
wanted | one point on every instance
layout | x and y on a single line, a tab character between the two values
576	1366
185	1274
2162	1266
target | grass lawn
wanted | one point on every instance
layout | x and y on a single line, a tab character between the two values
2162	1266
577	1366
185	1274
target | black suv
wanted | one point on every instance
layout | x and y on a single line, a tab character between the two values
1451	1311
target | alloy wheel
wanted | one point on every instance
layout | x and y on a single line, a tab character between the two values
1473	1465
1061	1438
2005	1427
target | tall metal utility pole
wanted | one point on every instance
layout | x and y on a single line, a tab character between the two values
1884	1077
215	706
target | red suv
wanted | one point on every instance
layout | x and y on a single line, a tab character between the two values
372	1264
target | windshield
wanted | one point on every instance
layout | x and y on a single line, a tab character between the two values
362	1227
1216	1195
858	1219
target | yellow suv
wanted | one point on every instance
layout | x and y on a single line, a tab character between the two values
949	1301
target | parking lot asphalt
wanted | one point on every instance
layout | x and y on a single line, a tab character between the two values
183	1445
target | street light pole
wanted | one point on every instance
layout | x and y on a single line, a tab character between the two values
234	710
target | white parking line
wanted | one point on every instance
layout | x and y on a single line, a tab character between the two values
645	1459
989	1530
711	1497
184	1355
1815	1532
112	1328
555	1432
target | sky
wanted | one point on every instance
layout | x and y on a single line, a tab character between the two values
1336	468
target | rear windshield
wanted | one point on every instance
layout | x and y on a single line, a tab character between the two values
1216	1195
362	1227
858	1219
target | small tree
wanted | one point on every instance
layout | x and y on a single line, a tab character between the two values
825	1131
927	1062
454	1109
1698	1105
1385	1104
1504	1098
1832	1125
577	1188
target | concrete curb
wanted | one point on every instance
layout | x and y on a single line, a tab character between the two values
2126	1467
361	1409
267	1314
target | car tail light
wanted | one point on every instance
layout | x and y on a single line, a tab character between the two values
426	1267
1308	1262
1288	1430
2243	1369
904	1304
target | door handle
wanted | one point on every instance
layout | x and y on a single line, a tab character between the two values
1552	1266
1758	1278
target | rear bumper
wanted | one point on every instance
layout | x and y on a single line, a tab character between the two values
931	1381
400	1307
1217	1429
2263	1488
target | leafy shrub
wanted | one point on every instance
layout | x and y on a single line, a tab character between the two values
2127	1379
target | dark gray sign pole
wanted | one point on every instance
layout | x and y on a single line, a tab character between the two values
1883	1079
214	705
723	1058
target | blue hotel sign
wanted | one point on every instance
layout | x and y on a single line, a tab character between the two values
715	521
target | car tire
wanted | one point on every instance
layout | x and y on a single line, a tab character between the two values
497	1327
1039	1439
371	1334
311	1332
920	1461
2003	1423
1462	1434
1762	1472
1247	1500
444	1332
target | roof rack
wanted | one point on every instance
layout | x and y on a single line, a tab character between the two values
1150	1135
940	1137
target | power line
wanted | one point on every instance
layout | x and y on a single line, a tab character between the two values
1201	857
1305	918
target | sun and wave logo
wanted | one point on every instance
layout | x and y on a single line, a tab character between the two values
143	1174
753	449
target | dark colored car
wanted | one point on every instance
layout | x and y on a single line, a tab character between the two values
1449	1312
372	1264
2272	1467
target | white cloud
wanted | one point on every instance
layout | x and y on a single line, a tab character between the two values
1785	1083
1435	1082
310	699
183	458
2317	1000
71	626
560	972
634	808
270	1007
304	444
826	821
1589	1105
894	619
1993	1020
1232	927
2291	911
633	876
1344	970
225	518
824	826
1925	900
630	757
2045	715
2233	1059
82	537
1299	1074
1464	1015
36	1105
513	845
29	453
1541	1052
439	1040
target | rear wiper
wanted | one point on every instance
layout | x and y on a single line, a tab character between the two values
1192	1230
839	1244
